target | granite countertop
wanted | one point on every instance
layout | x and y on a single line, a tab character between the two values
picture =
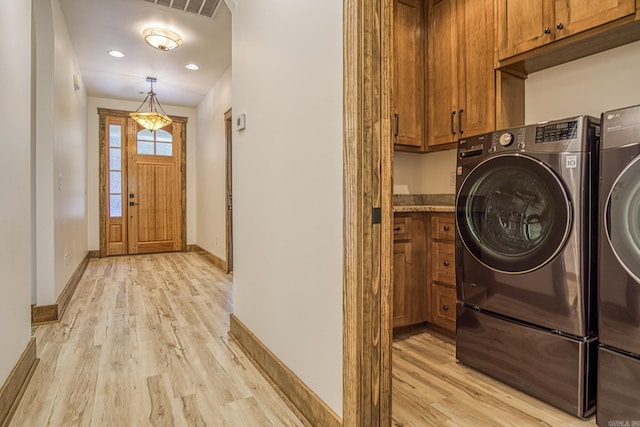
423	203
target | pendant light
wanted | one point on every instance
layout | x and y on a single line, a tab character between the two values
151	119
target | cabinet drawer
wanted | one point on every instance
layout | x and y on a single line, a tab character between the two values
401	227
443	262
443	227
443	306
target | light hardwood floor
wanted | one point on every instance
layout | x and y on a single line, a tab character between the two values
144	343
431	389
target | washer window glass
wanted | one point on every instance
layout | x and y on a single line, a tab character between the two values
513	213
623	218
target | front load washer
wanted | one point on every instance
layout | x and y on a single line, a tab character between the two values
619	258
526	259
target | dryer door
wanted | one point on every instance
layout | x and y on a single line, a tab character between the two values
513	213
622	219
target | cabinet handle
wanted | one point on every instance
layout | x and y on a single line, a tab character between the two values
445	228
445	307
396	228
453	115
560	26
547	30
460	122
396	118
446	263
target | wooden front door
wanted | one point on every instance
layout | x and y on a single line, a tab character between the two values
142	186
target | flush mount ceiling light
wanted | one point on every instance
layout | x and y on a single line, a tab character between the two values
161	38
151	119
192	67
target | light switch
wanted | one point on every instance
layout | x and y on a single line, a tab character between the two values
239	122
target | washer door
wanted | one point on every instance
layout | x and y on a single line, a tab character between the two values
622	218
513	213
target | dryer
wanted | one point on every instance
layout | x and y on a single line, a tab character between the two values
526	259
619	258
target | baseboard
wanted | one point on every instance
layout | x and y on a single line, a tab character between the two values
296	393
94	254
14	387
54	312
214	260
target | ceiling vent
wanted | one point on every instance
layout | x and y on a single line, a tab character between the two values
200	7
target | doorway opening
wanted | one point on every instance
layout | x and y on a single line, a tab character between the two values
142	186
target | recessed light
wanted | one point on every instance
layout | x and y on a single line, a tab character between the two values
192	67
116	53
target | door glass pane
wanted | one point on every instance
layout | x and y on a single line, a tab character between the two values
164	149
145	135
623	219
115	136
114	159
115	182
145	147
163	136
115	205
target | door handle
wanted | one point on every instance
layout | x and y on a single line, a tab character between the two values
453	116
133	204
396	125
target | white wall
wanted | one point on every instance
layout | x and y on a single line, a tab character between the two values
93	161
606	81
61	227
287	177
15	193
428	173
210	168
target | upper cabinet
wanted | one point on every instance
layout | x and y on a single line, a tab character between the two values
408	96
461	75
526	25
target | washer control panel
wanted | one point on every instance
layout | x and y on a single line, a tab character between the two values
556	131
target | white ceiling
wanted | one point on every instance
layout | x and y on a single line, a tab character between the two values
97	26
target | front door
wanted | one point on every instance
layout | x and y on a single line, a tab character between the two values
142	176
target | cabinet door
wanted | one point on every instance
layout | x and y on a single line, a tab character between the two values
443	306
524	25
476	83
409	77
443	73
574	16
401	281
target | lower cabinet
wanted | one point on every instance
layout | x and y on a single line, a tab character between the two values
424	270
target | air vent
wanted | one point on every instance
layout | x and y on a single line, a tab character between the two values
200	7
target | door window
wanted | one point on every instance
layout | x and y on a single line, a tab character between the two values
622	218
513	213
155	143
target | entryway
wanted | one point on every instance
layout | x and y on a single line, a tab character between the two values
142	186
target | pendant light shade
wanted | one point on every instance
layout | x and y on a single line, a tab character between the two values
151	119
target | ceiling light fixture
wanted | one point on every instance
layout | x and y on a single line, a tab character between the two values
152	119
192	67
115	53
161	38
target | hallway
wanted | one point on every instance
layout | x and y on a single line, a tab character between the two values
144	342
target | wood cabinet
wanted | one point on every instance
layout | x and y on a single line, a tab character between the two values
409	269
441	309
408	96
525	25
461	74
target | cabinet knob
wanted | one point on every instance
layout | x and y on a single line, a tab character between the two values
547	30
445	228
446	263
445	307
560	26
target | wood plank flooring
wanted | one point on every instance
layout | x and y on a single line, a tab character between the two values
144	343
431	389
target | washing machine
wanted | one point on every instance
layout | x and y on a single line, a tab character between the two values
619	257
526	227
